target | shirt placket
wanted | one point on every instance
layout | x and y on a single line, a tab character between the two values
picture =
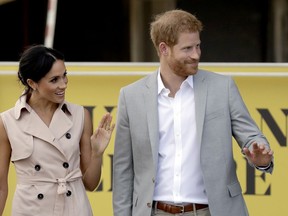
178	147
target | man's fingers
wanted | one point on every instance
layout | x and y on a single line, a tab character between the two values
246	152
255	146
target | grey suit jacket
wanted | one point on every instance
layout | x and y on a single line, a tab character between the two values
220	115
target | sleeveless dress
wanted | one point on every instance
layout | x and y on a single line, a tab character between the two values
47	161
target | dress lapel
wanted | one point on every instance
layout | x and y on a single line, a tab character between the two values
33	125
59	126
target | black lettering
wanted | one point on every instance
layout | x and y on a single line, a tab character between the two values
251	181
109	108
271	123
111	172
90	109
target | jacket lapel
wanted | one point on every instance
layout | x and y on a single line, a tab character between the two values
151	105
200	90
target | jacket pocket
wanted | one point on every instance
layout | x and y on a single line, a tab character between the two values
234	189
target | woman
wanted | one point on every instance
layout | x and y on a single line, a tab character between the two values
50	142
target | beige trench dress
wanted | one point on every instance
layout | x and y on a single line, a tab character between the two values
47	161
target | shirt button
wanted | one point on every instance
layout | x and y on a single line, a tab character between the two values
40	196
68	135
65	165
37	167
149	205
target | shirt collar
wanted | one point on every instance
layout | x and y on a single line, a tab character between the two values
160	83
188	80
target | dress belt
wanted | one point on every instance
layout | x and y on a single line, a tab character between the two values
72	176
178	209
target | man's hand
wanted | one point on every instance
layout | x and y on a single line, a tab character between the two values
259	155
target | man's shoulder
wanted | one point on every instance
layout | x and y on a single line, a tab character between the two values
142	82
212	75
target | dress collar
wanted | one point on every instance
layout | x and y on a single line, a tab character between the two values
21	106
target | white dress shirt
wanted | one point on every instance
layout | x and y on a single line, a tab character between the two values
179	177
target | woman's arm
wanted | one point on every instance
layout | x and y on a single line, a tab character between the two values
5	153
92	147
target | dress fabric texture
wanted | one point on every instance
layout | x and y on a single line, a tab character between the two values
47	161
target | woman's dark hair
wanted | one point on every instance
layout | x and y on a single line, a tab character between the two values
35	63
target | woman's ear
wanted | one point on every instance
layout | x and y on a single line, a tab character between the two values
32	84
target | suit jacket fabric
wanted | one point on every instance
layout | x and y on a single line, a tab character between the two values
47	161
220	115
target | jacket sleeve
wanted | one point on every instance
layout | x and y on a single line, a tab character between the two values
122	163
244	128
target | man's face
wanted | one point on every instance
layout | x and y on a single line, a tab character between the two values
184	57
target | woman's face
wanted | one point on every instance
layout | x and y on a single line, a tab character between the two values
53	85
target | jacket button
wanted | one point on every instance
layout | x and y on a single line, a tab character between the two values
68	135
65	165
149	205
40	196
68	193
37	167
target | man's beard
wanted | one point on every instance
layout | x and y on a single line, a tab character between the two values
183	68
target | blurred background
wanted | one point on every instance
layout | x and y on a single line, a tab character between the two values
118	30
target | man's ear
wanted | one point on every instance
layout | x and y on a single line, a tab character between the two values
163	48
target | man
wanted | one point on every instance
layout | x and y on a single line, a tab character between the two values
173	147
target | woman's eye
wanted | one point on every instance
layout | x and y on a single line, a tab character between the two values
54	80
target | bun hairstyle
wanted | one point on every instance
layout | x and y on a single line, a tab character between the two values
35	63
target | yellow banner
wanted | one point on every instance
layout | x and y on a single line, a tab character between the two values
264	88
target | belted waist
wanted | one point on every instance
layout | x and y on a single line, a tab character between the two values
72	176
178	209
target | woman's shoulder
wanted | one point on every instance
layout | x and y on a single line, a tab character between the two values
72	107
